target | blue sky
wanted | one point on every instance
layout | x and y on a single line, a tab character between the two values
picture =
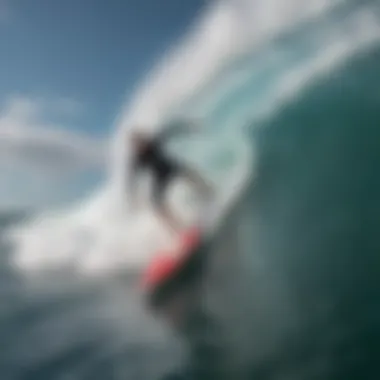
66	69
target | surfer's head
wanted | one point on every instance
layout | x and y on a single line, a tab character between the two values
139	140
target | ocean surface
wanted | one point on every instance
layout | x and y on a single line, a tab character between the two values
294	273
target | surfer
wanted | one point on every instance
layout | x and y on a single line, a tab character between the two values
149	153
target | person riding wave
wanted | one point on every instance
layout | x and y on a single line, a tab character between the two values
173	287
149	154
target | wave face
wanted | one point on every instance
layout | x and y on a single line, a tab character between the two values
302	283
291	139
229	72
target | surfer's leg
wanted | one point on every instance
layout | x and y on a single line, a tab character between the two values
198	181
162	209
169	219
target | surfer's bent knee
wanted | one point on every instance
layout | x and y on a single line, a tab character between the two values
197	180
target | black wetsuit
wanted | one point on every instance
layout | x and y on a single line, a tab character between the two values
162	167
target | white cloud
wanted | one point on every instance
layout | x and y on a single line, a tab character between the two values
36	155
26	138
57	107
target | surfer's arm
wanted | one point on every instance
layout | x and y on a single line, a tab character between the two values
177	128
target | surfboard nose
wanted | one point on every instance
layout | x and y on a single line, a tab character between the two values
191	238
160	269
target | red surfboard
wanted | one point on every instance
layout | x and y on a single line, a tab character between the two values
165	264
